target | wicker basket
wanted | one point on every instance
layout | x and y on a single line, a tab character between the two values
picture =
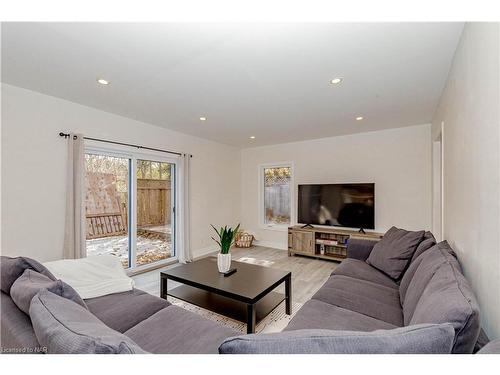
244	239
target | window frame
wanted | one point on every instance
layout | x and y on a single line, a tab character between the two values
261	189
133	156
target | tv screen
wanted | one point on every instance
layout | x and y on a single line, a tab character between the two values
345	205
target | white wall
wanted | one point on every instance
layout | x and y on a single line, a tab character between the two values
469	107
34	168
398	161
437	191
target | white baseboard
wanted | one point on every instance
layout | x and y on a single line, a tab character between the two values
271	244
213	250
205	252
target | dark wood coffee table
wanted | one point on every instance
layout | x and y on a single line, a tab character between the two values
246	295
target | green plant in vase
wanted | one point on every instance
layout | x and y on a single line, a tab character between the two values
225	239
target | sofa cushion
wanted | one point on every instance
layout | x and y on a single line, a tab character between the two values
360	248
419	274
374	300
448	297
316	314
122	311
177	331
17	335
31	282
359	269
393	252
12	268
63	326
418	339
427	242
493	347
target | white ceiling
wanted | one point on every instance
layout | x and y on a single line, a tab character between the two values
270	81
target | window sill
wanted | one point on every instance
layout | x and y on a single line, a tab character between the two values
276	228
151	266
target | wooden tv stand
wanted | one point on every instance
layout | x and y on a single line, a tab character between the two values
309	241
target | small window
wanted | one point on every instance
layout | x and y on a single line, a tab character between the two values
277	194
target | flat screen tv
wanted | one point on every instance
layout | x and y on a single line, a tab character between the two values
344	205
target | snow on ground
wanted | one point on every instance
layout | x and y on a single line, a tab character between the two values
152	245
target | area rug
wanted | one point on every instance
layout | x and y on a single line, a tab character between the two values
276	321
259	262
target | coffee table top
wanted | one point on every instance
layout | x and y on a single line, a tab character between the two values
250	283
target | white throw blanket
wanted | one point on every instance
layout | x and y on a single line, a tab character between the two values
93	276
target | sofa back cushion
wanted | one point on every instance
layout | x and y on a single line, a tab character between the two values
394	251
430	259
418	339
427	242
12	268
31	282
63	326
448	297
360	248
419	274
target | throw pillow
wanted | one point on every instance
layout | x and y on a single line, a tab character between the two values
12	268
393	252
31	282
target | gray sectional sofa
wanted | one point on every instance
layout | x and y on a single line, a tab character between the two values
421	286
359	297
155	325
420	303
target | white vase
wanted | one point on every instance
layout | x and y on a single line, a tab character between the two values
223	262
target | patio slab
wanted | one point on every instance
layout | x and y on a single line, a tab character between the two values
153	244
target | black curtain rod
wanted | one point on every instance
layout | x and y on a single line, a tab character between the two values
66	135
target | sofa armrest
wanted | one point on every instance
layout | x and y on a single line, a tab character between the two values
493	347
360	249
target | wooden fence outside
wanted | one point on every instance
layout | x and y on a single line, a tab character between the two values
277	202
153	202
104	216
107	209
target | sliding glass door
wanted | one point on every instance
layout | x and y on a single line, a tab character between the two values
130	201
155	196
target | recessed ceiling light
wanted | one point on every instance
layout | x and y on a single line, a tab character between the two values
102	81
203	119
252	137
336	81
359	118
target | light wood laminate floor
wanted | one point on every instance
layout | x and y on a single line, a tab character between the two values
308	274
